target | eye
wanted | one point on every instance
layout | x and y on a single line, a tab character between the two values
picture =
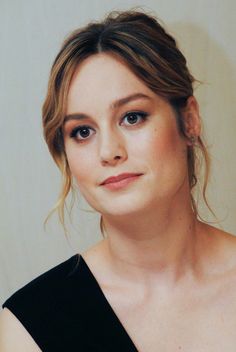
81	133
135	117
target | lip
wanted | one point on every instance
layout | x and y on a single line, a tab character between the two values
114	179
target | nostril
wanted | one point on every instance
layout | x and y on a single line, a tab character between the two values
105	161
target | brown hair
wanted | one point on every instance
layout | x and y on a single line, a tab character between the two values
151	54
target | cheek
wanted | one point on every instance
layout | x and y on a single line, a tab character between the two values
80	164
167	144
160	142
162	149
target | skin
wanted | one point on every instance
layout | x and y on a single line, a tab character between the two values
156	254
149	223
138	146
169	278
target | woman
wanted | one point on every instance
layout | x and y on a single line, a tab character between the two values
121	120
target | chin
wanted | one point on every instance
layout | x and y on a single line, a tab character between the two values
133	202
128	205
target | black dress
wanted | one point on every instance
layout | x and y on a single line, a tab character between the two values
64	309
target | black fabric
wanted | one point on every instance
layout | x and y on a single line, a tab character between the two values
64	309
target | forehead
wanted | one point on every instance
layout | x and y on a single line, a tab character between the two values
103	78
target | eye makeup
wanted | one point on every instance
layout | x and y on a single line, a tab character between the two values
134	118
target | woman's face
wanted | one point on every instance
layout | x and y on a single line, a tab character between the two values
115	124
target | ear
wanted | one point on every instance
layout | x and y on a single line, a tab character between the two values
192	120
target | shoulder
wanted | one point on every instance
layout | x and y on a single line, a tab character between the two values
42	287
228	245
10	326
221	251
26	312
227	241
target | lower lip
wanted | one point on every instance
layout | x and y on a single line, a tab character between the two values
121	183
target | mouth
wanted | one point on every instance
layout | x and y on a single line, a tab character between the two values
120	181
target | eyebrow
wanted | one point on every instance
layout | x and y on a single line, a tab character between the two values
116	104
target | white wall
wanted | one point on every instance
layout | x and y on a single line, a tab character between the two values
31	32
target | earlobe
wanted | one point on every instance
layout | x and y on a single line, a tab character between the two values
192	120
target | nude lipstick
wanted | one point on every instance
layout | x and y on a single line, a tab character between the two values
120	181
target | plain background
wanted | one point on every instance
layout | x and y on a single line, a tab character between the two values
31	32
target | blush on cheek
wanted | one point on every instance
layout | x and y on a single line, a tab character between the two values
165	143
80	164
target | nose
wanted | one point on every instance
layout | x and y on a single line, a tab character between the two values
112	148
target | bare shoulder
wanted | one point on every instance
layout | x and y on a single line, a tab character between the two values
13	335
222	253
226	240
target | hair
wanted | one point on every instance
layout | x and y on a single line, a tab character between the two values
151	54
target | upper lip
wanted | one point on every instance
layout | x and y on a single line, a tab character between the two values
119	177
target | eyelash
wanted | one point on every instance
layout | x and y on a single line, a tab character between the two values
75	131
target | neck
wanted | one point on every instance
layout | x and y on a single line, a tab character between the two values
162	243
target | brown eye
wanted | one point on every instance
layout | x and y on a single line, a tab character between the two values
134	118
81	133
